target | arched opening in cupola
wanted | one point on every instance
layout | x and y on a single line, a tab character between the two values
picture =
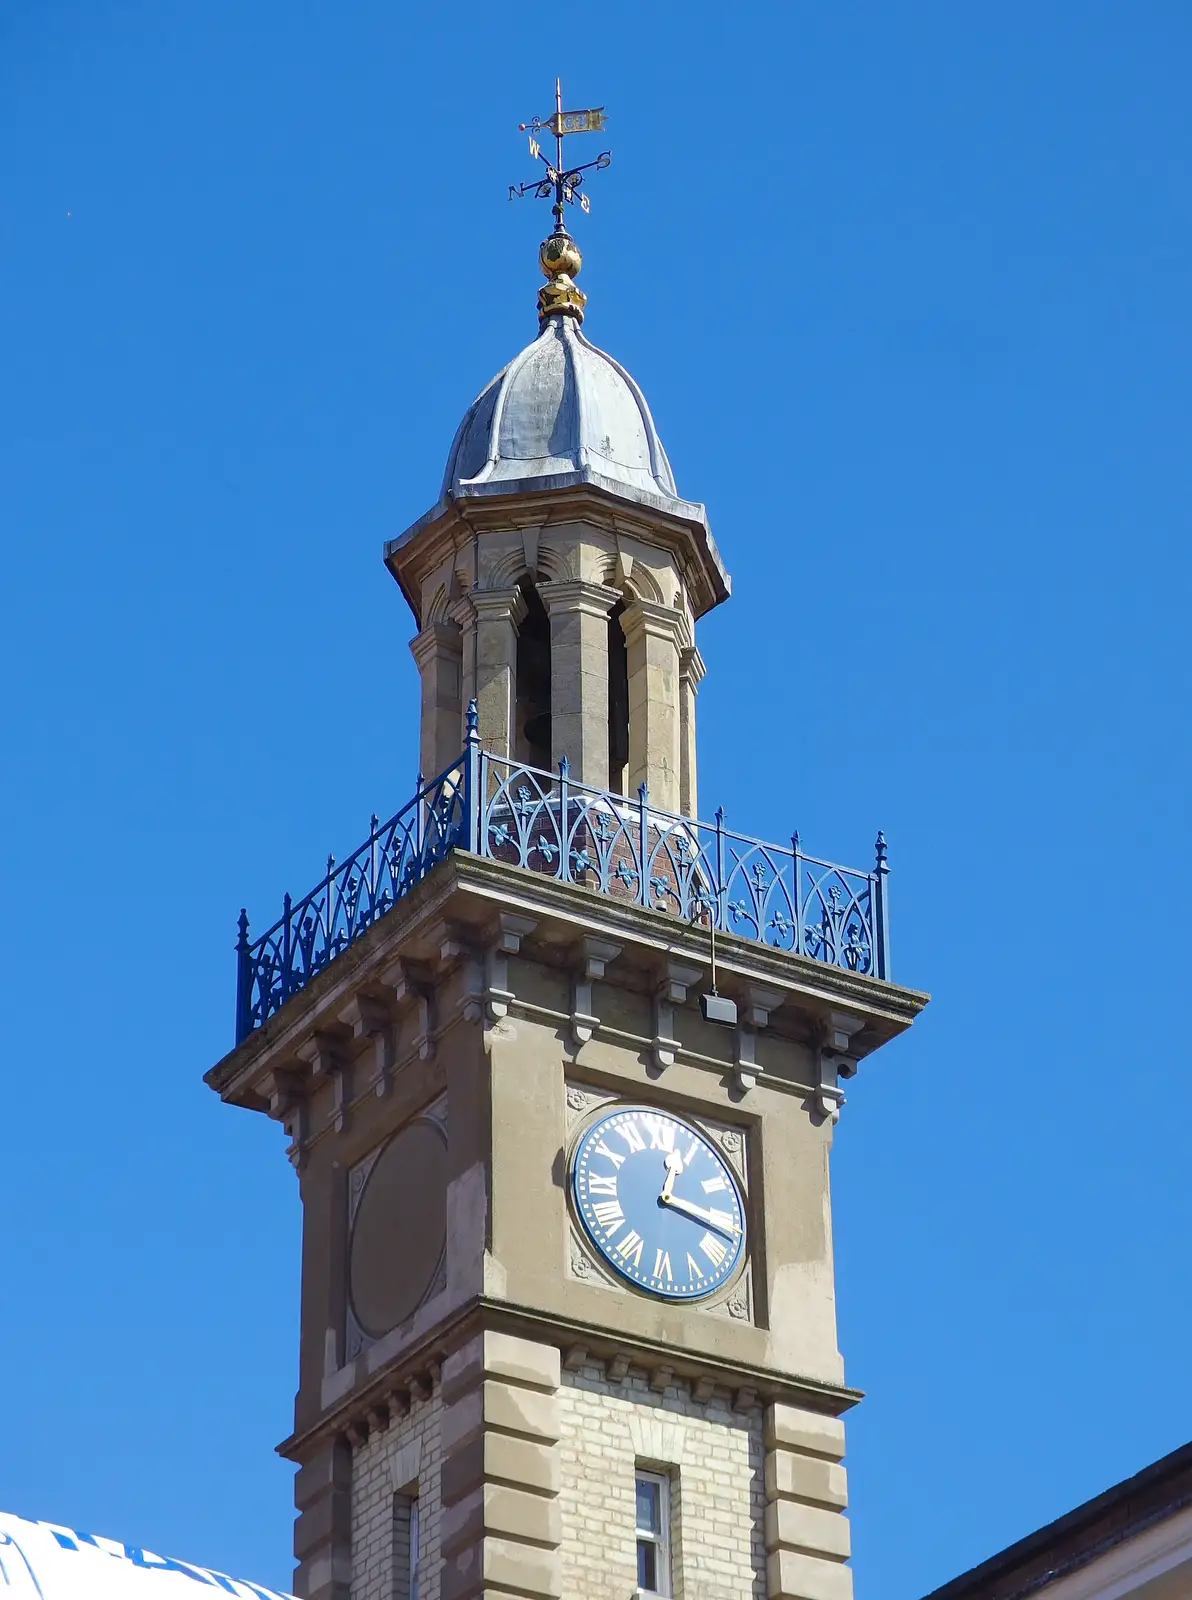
532	728
618	702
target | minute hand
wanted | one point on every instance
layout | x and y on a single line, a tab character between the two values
715	1219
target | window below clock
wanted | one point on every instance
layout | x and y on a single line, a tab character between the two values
406	1546
653	1534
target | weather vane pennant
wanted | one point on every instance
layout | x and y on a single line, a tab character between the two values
560	181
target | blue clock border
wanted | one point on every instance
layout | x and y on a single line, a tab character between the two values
590	1118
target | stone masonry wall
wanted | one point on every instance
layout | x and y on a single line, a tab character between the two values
405	1458
715	1456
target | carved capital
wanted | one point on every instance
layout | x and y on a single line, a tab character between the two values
437	639
498	605
691	667
574	594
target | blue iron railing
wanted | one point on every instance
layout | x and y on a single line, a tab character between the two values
626	849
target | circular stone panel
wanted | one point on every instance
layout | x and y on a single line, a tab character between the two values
400	1229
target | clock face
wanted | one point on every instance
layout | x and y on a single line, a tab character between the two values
659	1202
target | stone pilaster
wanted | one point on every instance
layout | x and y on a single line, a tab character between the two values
323	1530
691	674
654	635
498	613
807	1535
438	651
501	1527
579	676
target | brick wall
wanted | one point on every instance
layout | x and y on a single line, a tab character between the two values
715	1458
403	1459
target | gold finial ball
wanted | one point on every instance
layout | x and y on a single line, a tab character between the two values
559	256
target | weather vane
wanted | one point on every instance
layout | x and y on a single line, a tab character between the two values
561	181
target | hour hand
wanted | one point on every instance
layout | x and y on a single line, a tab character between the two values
674	1165
720	1220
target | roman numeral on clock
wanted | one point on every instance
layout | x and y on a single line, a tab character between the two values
631	1247
715	1249
609	1215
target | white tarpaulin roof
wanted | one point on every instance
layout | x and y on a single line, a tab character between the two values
44	1561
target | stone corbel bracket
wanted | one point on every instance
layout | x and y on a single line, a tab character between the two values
411	985
837	1059
753	1016
677	978
369	1018
510	932
287	1104
321	1052
593	956
453	948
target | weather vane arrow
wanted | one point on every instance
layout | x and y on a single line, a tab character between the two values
559	180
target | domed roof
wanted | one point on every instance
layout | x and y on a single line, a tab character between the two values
562	412
565	416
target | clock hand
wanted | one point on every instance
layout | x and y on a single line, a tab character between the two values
674	1165
720	1220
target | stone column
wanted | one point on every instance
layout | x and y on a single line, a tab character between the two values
323	1531
654	635
578	614
498	613
807	1535
691	674
501	1528
438	650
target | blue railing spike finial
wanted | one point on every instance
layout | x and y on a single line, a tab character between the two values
544	822
473	720
374	821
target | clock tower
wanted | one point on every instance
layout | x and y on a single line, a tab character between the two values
560	1066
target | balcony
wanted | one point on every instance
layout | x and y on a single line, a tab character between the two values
624	849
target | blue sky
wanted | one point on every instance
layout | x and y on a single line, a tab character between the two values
906	285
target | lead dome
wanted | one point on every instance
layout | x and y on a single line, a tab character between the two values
562	412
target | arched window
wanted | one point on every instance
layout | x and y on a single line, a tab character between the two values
532	714
618	702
